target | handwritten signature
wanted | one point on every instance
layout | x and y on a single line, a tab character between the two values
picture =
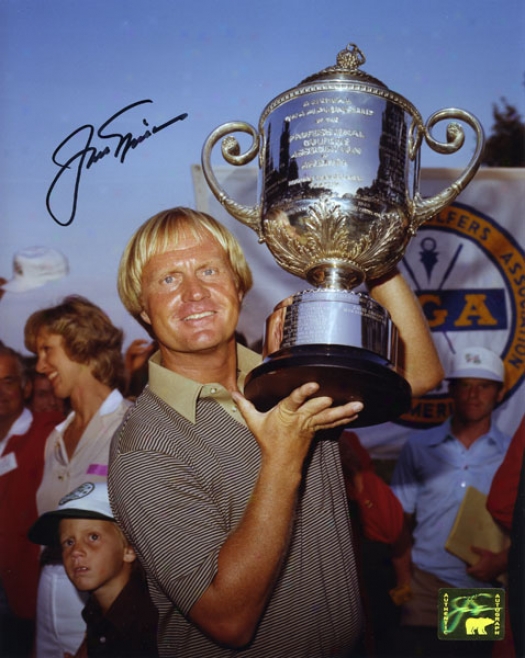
72	166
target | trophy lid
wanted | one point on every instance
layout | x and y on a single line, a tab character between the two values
344	75
346	68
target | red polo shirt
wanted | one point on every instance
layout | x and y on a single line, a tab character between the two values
19	558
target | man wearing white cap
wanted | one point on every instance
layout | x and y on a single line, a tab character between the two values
432	474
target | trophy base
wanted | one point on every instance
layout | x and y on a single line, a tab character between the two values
343	373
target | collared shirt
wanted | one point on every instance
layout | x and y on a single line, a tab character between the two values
19	427
430	479
182	393
89	462
22	467
128	629
182	471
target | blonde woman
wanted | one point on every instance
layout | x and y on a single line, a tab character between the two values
80	352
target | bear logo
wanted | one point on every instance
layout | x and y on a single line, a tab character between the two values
478	625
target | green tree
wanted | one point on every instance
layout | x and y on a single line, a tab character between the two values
505	146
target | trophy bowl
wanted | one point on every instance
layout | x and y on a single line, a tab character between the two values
338	202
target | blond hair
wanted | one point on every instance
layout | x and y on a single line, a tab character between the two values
88	334
154	236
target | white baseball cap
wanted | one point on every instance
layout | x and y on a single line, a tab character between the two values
88	501
35	266
478	362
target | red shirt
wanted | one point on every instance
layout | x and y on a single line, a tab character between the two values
19	558
380	512
504	487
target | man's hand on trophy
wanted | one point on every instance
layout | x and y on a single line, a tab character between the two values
286	431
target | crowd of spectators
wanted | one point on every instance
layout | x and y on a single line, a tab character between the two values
263	534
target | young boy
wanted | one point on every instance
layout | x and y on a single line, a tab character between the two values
120	617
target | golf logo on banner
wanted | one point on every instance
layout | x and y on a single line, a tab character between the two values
469	275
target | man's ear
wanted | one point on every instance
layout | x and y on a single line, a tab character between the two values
129	554
145	316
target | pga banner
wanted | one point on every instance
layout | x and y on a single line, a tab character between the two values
466	266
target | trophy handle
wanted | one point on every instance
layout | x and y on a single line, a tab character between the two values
426	208
231	152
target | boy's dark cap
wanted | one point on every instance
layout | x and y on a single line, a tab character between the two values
88	501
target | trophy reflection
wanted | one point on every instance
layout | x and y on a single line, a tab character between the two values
338	204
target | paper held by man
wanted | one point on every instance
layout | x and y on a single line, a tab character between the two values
474	526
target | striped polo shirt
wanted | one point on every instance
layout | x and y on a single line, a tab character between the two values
183	466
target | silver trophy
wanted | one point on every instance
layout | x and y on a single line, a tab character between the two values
338	203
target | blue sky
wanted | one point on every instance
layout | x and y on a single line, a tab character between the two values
71	63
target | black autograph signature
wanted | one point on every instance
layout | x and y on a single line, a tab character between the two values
72	166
